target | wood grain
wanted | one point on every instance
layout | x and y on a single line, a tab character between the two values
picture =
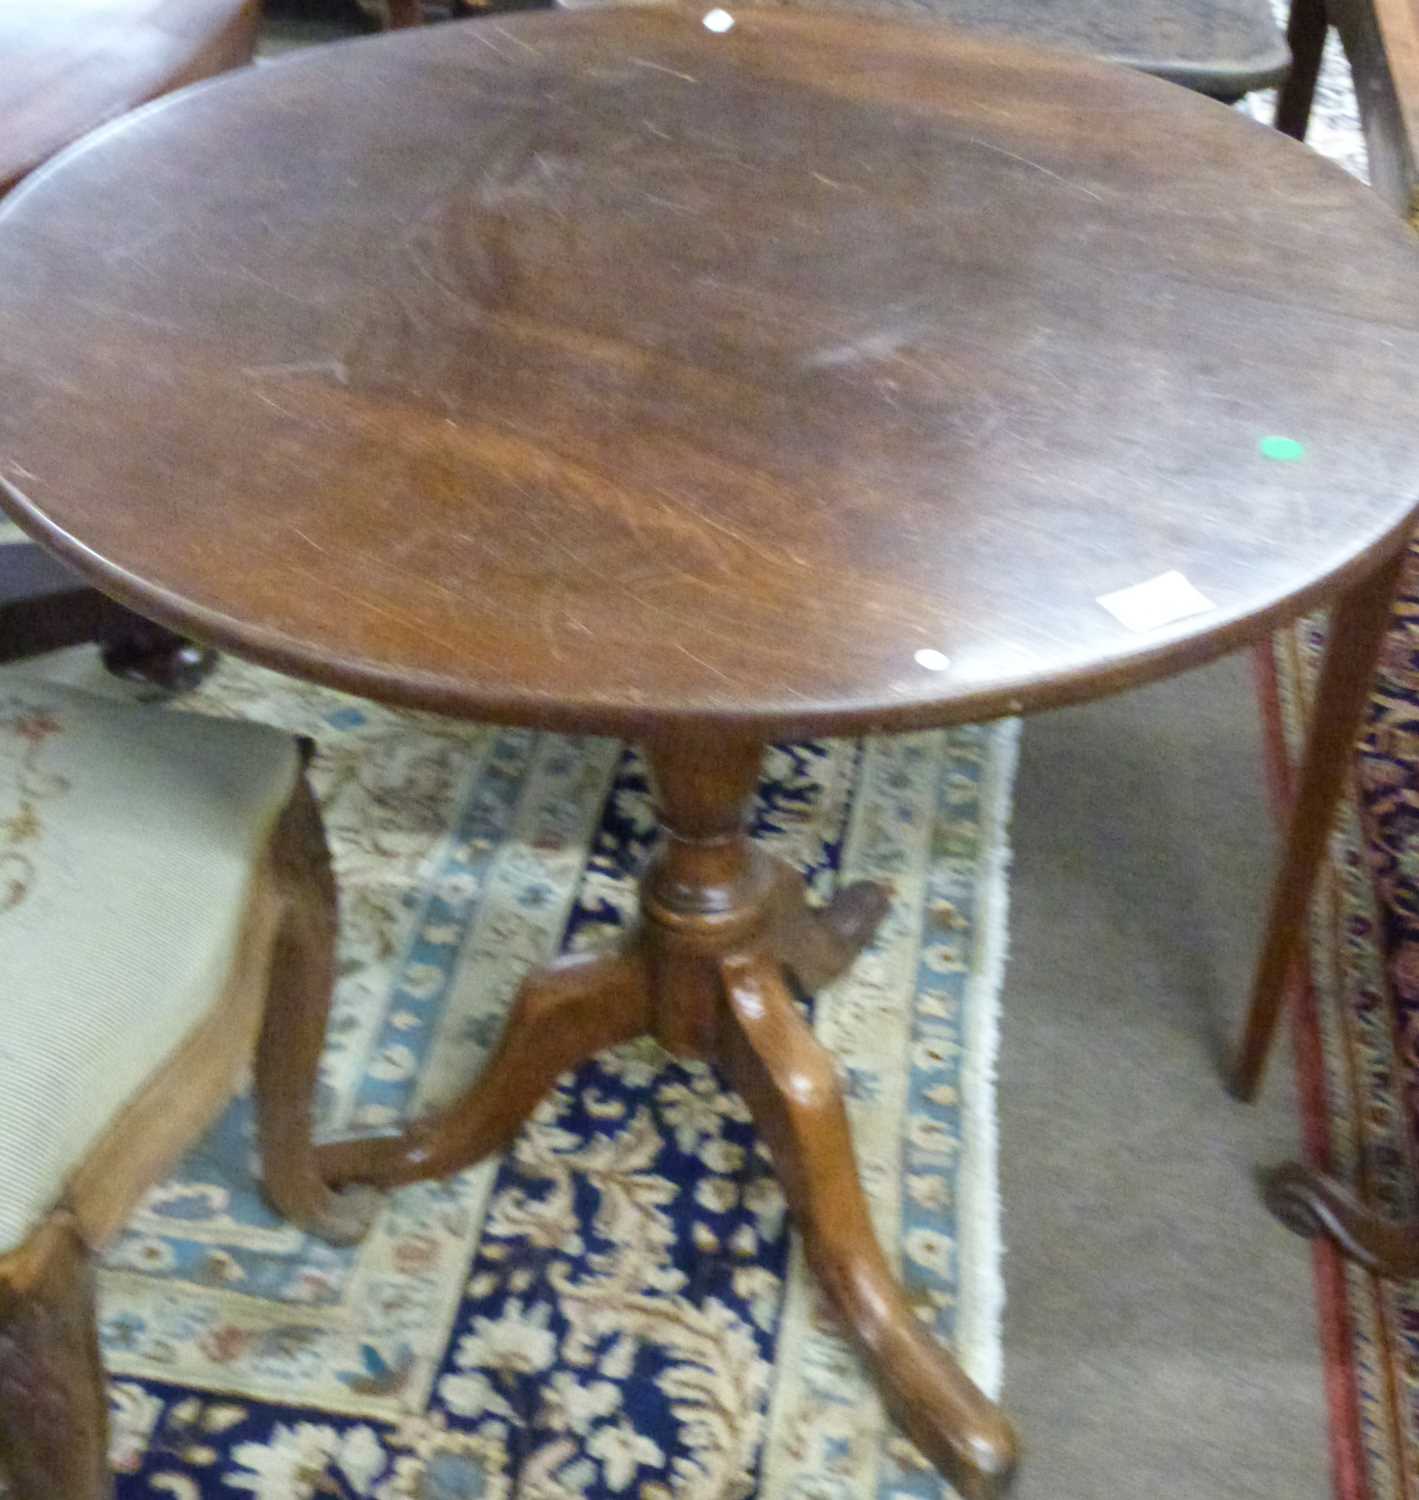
814	377
710	378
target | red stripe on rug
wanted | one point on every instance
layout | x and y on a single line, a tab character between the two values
1347	1459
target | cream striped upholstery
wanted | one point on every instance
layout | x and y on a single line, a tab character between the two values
128	837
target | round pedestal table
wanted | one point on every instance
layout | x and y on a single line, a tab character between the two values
708	380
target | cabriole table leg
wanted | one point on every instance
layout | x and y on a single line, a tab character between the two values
788	1079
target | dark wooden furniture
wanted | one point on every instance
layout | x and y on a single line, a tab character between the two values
818	376
64	70
271	998
45	606
1224	48
1381	40
69	68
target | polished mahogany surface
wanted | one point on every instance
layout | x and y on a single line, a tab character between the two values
603	371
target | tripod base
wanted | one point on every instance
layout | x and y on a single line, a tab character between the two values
707	975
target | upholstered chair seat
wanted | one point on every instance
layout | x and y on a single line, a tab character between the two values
129	839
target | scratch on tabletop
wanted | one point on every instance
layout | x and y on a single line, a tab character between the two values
517	41
842	187
310	540
1038	167
409	622
482	36
247	274
679	208
708	666
645	62
547	618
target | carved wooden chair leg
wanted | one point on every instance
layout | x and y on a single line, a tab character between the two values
54	1436
563	1014
1357	632
293	1032
788	1080
1311	1204
1305	36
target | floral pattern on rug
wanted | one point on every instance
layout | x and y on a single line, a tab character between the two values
616	1308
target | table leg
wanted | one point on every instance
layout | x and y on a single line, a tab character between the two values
293	1031
562	1015
788	1079
722	925
818	946
1357	632
1305	36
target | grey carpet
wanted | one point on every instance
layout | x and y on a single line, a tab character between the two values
1160	1328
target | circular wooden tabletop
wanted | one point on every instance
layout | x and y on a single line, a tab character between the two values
607	371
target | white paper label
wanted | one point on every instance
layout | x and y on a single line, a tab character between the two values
1156	602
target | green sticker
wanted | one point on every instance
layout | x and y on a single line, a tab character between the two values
1283	449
